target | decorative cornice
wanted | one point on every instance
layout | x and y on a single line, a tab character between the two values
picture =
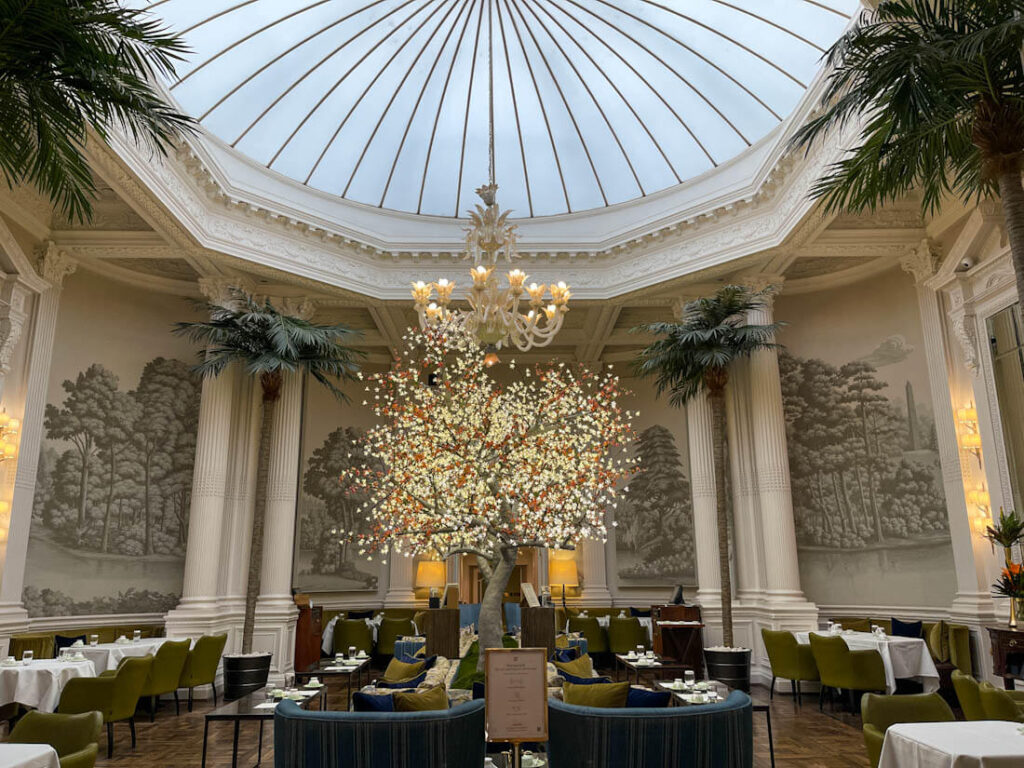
55	264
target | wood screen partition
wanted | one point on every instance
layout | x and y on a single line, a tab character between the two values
538	628
441	626
308	633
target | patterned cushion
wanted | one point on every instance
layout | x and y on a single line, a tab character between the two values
400	670
421	701
605	695
907	628
642	698
412	682
372	702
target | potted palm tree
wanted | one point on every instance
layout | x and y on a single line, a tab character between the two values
74	68
692	358
265	344
939	85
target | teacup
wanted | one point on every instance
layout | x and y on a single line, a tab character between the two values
314	681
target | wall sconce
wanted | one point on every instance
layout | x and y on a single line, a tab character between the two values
970	437
979	499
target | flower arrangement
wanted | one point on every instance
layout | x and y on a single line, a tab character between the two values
1009	530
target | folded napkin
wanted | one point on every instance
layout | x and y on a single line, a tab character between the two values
122	640
267	705
78	644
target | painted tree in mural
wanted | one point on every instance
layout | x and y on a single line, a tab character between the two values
473	467
341	453
858	478
656	526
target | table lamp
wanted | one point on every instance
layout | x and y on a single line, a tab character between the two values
432	574
563	572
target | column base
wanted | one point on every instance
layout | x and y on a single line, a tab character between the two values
13	619
274	631
594	596
402	598
979	611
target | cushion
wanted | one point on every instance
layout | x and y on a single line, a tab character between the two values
642	698
400	670
427	661
937	638
412	682
373	702
360	615
583	680
426	701
604	695
581	667
478	690
907	628
638	614
857	625
565	654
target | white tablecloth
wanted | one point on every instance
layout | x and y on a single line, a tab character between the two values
904	657
28	756
38	684
108	655
977	744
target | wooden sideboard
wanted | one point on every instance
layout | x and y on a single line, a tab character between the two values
1007	654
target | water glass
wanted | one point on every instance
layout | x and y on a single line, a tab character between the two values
136	635
689	677
650	655
351	651
639	650
289	681
27	656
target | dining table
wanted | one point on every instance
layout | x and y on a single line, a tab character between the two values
904	658
108	655
37	684
962	744
28	756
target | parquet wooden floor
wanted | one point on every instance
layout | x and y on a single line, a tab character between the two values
803	737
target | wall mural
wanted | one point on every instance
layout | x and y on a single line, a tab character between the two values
871	518
120	491
654	528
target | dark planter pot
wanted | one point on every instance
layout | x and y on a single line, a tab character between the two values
244	674
731	668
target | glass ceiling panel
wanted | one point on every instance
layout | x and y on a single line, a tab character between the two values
385	102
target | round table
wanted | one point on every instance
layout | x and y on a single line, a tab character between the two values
28	756
108	655
971	744
38	683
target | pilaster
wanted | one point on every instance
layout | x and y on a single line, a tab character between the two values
594	570
400	593
705	525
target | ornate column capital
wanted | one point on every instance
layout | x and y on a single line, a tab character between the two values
298	306
55	264
221	290
921	261
769	284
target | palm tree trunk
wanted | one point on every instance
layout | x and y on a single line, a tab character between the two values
489	627
1011	193
716	398
258	518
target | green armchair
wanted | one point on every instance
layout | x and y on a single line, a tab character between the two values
999	705
843	669
597	638
625	634
74	737
789	660
879	712
968	693
353	632
389	631
201	665
115	694
165	673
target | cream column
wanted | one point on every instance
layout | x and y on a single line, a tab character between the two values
771	458
705	515
54	265
593	568
400	592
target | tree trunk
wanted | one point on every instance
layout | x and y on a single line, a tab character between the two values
83	485
716	397
147	503
108	513
489	626
1011	193
258	518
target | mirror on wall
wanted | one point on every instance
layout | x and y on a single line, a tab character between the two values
1006	337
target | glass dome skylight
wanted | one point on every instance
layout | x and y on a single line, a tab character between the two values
385	102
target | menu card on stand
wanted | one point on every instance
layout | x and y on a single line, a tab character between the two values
516	695
529	595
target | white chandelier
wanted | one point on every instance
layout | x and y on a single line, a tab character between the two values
494	316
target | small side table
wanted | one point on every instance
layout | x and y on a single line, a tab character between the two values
1007	654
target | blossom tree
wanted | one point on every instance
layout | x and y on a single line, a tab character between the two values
470	466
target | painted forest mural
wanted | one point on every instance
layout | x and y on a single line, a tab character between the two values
113	491
654	528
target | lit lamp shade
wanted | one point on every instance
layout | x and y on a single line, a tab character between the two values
431	574
563	573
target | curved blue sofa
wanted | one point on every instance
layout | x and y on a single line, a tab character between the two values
704	736
452	738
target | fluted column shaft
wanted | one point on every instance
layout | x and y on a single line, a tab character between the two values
209	487
400	592
282	492
771	456
743	476
702	484
593	566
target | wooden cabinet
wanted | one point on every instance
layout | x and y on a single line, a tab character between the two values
539	628
441	626
1007	654
685	644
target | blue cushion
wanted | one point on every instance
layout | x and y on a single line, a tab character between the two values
565	654
478	690
428	661
412	683
637	613
583	680
360	614
368	702
907	628
638	697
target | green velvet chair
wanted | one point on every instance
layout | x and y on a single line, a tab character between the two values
968	693
352	632
999	705
625	634
74	737
115	694
879	712
201	665
40	643
789	660
165	673
389	631
843	669
597	638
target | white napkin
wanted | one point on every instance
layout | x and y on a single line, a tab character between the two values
78	644
122	640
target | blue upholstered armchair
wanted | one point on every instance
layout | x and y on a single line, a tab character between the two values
452	738
469	613
704	736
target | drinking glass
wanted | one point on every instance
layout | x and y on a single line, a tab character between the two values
136	635
94	639
289	681
351	651
639	650
27	656
689	677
